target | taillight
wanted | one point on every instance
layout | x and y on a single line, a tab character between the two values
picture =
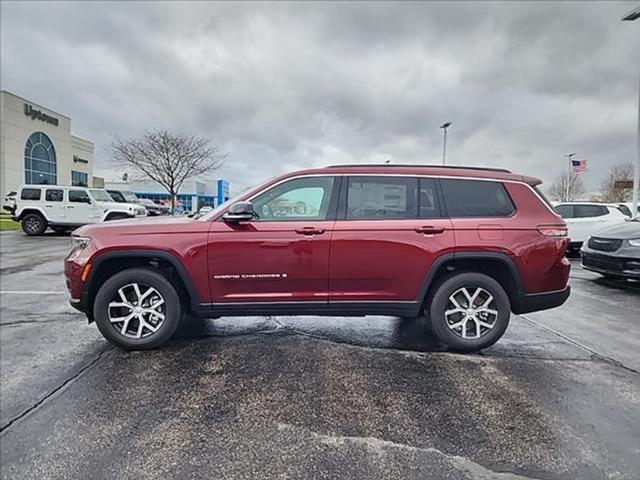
553	230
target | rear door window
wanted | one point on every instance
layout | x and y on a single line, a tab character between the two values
30	194
476	198
382	198
428	204
54	195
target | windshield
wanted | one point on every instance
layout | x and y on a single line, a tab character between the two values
100	195
117	196
130	197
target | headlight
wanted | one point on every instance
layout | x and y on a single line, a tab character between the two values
79	243
635	242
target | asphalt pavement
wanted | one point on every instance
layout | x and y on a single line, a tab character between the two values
314	397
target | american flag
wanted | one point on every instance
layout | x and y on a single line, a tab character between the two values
579	166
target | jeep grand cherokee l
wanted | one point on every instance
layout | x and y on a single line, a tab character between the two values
465	246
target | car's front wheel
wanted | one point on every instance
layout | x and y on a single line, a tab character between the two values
137	309
469	311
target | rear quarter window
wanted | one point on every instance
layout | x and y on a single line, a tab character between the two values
586	211
565	211
476	198
78	196
30	194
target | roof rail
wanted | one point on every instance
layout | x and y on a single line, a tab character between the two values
462	167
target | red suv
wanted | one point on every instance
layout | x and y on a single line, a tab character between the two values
465	246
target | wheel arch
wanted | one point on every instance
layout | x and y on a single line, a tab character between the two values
496	265
113	213
25	211
164	262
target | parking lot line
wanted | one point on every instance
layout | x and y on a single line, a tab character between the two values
29	292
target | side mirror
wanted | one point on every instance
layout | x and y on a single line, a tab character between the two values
239	212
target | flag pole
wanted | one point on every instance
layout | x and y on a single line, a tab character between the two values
569	156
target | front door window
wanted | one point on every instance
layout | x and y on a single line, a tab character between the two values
298	199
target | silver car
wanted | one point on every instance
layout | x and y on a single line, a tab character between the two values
614	251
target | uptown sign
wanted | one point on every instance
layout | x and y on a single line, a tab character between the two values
29	111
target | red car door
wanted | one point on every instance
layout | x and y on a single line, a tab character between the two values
388	232
282	255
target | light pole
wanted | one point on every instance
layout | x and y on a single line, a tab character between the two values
444	127
631	16
570	157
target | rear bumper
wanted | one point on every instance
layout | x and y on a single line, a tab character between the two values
533	302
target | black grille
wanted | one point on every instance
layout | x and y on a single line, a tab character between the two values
604	244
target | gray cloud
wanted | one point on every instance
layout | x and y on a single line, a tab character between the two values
282	86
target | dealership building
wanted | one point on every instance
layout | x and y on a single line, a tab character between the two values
37	147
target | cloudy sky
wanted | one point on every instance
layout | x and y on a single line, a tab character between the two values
283	86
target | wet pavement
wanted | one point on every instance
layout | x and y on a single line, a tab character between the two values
314	397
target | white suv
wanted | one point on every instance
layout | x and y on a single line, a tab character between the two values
63	208
584	218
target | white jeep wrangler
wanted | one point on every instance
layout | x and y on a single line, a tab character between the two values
65	208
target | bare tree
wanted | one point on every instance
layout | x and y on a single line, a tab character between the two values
608	189
558	190
168	158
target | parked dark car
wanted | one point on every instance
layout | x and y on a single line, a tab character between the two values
615	251
153	208
125	196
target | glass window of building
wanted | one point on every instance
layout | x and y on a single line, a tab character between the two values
39	160
79	179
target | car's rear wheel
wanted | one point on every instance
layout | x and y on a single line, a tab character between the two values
469	311
34	224
137	309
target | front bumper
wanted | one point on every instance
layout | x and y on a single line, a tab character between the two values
614	265
533	302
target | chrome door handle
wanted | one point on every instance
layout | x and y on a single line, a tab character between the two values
309	231
429	230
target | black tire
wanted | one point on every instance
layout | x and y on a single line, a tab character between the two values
116	216
608	276
33	224
440	302
108	292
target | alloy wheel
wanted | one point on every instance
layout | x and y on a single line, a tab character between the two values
137	310
32	224
471	312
